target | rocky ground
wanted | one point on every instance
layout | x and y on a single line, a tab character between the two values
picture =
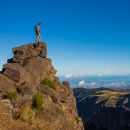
104	109
32	97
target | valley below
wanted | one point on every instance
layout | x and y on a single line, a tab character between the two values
103	108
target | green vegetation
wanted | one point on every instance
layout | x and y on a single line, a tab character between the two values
38	100
11	95
26	113
49	83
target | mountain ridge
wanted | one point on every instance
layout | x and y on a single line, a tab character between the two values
103	108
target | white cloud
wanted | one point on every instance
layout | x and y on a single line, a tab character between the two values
71	75
82	83
93	84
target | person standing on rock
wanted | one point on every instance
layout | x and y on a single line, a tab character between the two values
38	35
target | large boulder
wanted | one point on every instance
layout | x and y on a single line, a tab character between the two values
29	51
6	84
35	69
17	73
40	68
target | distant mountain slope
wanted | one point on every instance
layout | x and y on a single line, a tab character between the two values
104	109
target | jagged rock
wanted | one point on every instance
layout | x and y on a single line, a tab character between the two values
56	79
63	96
40	68
12	72
22	100
23	75
26	89
67	85
46	90
6	84
28	51
17	73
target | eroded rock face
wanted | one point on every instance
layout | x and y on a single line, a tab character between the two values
6	84
29	51
29	72
5	114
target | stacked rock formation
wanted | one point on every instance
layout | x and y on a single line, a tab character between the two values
32	97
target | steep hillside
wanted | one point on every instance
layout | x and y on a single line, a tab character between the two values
32	97
104	109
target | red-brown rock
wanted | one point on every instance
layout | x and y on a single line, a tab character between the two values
29	51
21	79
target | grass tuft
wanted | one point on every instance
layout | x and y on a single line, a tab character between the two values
11	95
49	83
26	113
38	100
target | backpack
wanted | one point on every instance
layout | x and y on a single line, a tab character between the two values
35	29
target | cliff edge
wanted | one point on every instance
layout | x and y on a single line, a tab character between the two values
32	97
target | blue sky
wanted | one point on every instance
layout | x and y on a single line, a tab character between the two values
84	37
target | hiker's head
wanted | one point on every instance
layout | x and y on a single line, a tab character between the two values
39	24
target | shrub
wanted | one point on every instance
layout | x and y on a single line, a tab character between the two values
11	95
38	100
49	83
26	113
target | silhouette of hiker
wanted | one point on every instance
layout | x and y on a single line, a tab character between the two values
38	35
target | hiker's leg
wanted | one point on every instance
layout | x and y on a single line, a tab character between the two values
37	39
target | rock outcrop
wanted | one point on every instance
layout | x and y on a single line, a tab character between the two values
32	97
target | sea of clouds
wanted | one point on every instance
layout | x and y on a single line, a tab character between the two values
114	82
121	85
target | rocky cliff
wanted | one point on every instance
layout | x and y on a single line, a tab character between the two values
32	97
